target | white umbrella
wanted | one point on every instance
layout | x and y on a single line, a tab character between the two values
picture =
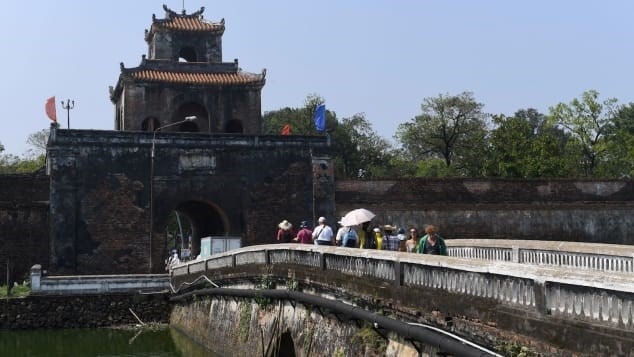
357	216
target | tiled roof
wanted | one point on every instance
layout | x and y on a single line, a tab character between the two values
238	78
188	23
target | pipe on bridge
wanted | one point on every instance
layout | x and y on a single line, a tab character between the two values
444	341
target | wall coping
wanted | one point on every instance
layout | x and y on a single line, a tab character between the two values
89	284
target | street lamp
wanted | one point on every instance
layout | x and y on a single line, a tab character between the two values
70	104
189	118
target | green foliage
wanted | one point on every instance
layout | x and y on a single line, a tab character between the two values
374	343
526	145
588	121
11	164
514	349
292	285
19	290
245	322
450	128
434	168
356	146
360	150
264	301
299	119
34	160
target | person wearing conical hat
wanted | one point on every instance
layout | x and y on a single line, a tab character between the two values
285	232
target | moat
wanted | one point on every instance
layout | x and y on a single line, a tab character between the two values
165	342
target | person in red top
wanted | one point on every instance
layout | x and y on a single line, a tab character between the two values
304	235
285	232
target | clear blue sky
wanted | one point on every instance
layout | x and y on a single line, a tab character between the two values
378	57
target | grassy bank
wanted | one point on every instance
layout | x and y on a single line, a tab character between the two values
17	291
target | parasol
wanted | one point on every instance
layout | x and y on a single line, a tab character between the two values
357	216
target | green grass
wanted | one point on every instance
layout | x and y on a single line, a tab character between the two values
17	291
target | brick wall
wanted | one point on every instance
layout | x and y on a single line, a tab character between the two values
83	311
24	223
225	185
565	210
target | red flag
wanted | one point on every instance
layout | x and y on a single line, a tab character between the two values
286	130
51	111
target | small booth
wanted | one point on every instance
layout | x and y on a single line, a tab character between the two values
214	245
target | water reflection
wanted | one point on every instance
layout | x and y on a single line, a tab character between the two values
98	342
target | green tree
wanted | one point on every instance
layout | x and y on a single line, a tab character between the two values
359	150
451	128
38	142
588	120
299	119
525	145
619	159
34	160
356	146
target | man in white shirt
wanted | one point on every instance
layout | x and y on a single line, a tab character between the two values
322	234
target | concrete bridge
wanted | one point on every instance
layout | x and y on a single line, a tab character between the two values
489	295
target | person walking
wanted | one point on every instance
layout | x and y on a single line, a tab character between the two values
390	240
305	235
285	232
432	242
411	244
402	239
172	260
350	237
378	238
322	234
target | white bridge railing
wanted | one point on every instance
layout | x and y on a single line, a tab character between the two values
592	256
555	289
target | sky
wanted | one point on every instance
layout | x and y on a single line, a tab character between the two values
377	57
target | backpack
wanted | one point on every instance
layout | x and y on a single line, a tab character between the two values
349	236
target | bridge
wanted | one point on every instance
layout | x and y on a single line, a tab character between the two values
488	295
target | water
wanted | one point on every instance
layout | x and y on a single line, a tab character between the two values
98	342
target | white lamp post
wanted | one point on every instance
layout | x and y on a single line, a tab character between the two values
189	118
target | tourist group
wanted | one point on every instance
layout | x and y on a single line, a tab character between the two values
365	236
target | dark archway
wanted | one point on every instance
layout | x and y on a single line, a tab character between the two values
188	127
191	110
188	54
234	126
196	220
286	347
150	124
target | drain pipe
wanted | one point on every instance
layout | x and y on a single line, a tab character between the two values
445	341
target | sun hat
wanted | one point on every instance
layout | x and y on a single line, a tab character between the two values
285	225
389	227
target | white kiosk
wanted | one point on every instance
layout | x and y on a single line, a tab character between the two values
214	245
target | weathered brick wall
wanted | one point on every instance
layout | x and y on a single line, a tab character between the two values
24	223
225	185
566	210
83	311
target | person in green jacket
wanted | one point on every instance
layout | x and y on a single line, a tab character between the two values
432	242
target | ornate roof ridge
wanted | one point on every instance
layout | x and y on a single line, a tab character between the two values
169	13
184	22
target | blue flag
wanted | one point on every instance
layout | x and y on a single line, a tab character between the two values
320	117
